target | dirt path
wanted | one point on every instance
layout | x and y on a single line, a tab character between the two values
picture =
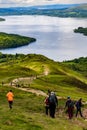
37	92
29	80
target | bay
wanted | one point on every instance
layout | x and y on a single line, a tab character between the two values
55	36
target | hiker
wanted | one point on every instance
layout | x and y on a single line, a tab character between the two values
70	107
46	101
78	107
10	96
53	103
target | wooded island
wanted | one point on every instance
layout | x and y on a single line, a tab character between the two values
81	30
14	40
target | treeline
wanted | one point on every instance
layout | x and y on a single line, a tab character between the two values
79	65
14	40
9	57
59	12
23	57
81	30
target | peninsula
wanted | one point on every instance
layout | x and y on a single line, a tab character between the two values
14	40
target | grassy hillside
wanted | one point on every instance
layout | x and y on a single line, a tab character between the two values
28	109
13	40
48	74
78	65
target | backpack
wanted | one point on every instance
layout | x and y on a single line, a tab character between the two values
52	99
47	101
70	104
77	105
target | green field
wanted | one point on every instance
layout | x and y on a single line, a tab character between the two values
28	111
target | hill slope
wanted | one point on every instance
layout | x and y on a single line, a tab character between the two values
28	109
48	74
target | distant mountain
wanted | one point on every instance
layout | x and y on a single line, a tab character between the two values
60	10
79	7
55	6
77	11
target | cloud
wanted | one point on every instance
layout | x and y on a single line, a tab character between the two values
23	1
44	1
37	2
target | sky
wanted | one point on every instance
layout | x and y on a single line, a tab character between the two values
13	3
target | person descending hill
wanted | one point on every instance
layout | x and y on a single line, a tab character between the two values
53	103
10	96
46	101
78	107
70	107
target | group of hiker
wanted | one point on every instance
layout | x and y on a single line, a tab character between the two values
70	105
51	103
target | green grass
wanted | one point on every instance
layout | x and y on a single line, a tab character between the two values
28	113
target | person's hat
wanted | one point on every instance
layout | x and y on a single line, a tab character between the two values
68	97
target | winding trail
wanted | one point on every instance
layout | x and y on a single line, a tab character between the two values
34	91
28	89
29	80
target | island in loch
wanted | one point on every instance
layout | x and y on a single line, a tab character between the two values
81	30
14	40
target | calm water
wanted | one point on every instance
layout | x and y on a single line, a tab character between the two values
55	36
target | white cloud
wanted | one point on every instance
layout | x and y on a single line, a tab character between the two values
23	1
37	2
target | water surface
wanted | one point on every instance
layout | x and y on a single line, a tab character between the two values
55	36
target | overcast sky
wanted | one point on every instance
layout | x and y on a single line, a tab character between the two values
7	3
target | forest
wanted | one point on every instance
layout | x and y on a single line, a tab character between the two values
14	40
81	30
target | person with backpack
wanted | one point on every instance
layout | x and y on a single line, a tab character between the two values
78	107
70	107
53	103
